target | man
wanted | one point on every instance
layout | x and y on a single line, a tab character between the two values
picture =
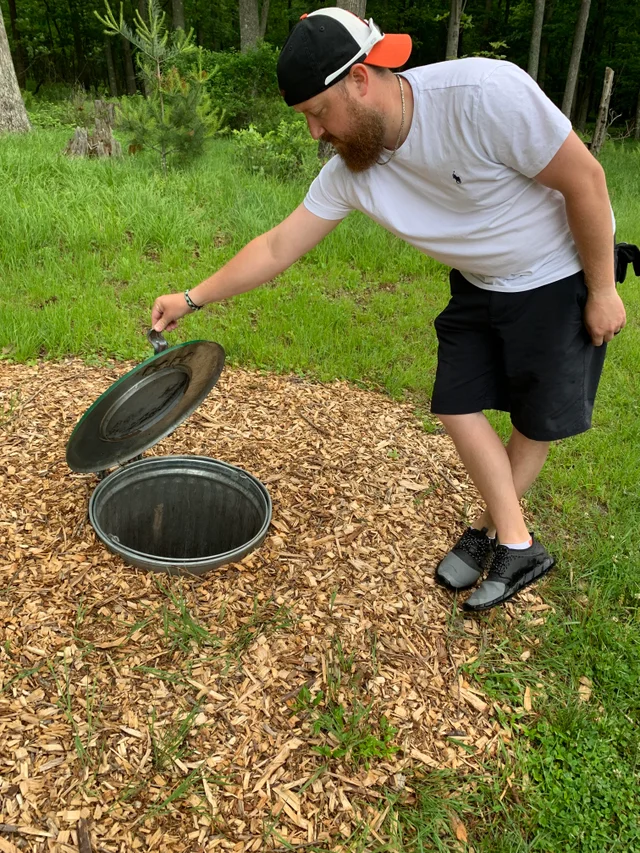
472	164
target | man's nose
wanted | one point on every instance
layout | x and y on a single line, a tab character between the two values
315	128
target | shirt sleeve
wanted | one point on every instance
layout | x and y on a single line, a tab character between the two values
518	124
327	195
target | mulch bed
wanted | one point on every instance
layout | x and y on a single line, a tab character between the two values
148	712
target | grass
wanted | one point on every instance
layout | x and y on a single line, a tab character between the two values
85	731
85	247
181	630
266	619
170	743
351	732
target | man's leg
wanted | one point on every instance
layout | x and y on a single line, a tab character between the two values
526	458
519	559
501	474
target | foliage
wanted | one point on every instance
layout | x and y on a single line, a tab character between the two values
585	810
157	47
246	87
177	115
494	51
287	153
63	42
48	115
73	110
354	737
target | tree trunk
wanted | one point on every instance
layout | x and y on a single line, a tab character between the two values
128	67
544	43
263	18
177	8
249	25
453	32
19	57
536	36
13	116
82	69
111	68
358	7
584	99
636	134
603	113
542	67
488	6
62	64
576	53
591	51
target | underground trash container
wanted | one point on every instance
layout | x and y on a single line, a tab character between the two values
175	514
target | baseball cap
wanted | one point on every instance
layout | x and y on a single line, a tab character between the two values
324	45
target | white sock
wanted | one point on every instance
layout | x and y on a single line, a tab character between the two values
518	546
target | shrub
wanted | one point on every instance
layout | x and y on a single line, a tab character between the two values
243	85
287	152
76	109
48	114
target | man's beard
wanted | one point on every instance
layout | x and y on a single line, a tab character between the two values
362	145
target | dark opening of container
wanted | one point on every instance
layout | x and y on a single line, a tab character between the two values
181	512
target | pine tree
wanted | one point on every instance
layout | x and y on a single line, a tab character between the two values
177	115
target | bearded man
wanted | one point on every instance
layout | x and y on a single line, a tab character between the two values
472	164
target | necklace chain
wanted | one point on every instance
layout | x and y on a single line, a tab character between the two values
395	148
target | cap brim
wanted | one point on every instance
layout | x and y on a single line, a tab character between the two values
392	52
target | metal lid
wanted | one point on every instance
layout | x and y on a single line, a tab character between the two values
145	405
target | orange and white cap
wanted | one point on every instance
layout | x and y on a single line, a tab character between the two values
324	45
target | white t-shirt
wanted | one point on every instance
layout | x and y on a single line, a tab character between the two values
460	187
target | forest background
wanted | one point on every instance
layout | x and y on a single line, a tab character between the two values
565	44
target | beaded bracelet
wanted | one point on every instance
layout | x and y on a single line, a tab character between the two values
191	303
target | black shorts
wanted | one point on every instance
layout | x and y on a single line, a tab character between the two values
525	353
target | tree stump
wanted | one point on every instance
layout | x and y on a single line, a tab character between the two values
99	143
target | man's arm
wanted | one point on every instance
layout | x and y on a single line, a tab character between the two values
575	173
259	261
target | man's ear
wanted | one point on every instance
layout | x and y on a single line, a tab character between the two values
360	77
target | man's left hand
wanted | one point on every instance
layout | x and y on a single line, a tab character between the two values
604	316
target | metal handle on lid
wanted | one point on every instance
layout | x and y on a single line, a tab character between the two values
157	341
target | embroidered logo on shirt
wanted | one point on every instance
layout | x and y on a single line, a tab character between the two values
456	178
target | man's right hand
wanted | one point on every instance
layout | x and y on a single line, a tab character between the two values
167	310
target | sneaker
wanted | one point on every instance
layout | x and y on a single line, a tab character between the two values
510	571
466	561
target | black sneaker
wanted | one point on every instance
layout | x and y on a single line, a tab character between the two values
511	570
466	561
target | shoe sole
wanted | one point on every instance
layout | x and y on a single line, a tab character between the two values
527	580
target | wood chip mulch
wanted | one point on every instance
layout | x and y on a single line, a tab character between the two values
148	712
